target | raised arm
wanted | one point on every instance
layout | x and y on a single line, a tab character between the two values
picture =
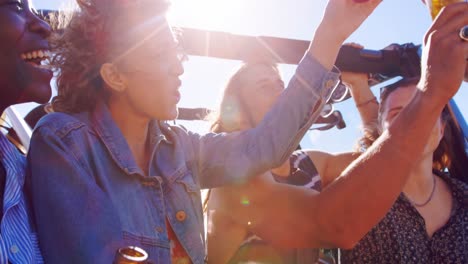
362	95
363	193
331	165
225	159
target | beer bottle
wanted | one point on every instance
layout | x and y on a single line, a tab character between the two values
436	5
130	255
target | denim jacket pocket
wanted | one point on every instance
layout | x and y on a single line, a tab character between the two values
158	250
189	185
185	182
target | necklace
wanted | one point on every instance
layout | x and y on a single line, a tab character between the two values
430	196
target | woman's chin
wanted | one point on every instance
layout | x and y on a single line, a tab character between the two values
38	93
173	114
170	114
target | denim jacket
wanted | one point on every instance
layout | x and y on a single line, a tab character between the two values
91	198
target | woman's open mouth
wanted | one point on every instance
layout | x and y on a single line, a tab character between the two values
36	58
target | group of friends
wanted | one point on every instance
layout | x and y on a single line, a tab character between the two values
105	170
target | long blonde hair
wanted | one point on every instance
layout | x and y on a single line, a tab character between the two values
226	118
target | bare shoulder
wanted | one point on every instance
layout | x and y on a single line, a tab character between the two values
330	165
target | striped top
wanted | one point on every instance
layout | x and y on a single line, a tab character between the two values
18	242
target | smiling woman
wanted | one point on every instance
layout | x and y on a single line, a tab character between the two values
23	47
23	40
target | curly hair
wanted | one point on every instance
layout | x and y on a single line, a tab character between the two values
84	39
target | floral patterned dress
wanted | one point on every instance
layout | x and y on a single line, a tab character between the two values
401	236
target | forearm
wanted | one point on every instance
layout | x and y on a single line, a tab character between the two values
367	189
231	157
365	102
325	46
350	206
369	114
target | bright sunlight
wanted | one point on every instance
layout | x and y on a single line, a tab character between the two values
221	15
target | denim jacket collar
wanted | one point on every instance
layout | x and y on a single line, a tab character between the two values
115	142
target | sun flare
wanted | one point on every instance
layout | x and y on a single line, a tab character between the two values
225	15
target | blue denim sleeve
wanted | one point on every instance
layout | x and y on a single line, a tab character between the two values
229	158
76	222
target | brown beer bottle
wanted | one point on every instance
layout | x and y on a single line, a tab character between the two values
130	255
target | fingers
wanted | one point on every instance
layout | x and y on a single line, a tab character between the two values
354	45
366	7
370	3
450	19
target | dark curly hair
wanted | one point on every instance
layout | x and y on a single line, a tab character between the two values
84	39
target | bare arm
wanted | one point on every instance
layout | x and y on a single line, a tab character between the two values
330	166
351	205
363	97
226	159
363	193
224	235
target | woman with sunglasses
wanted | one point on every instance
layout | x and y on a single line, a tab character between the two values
23	46
122	176
248	96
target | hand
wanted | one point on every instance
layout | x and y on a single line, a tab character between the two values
343	17
444	56
355	80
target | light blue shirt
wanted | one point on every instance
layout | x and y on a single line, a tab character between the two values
18	242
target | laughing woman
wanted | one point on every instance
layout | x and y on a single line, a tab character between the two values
121	175
23	45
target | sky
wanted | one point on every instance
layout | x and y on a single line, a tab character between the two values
395	21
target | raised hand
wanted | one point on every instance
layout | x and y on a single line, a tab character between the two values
343	17
444	58
355	80
340	20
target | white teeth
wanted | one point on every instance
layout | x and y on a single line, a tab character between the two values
35	54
